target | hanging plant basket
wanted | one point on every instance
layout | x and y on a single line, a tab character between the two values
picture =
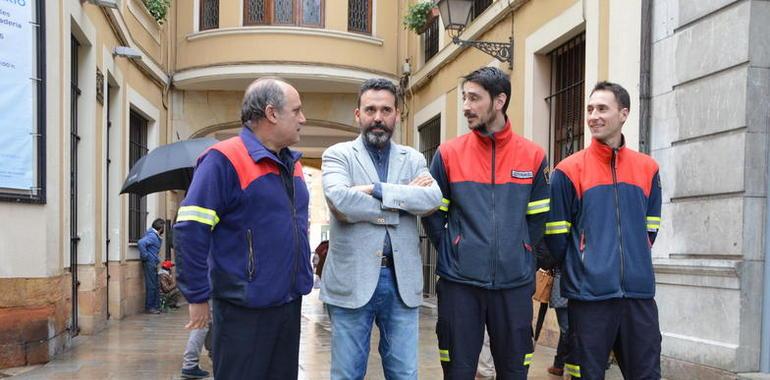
420	16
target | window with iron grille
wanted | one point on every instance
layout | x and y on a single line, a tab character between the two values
430	138
479	6
566	98
209	14
283	12
360	16
137	205
430	40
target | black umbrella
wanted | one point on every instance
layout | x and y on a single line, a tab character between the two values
167	167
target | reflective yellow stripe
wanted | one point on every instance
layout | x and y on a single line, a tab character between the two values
560	227
572	369
443	355
527	359
445	206
653	223
537	207
197	214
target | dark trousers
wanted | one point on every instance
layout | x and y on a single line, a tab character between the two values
464	310
151	286
255	343
628	327
562	350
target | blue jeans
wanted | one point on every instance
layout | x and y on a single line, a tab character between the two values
152	292
352	330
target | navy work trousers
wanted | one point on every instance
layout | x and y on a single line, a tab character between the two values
255	343
628	327
464	310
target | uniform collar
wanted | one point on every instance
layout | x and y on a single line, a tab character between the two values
258	151
603	151
500	137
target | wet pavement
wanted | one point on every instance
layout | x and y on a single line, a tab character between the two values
150	347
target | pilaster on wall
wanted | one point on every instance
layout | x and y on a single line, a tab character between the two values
710	116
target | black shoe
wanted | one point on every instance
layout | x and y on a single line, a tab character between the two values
194	373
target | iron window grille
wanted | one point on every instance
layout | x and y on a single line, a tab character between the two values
430	41
360	16
308	13
137	205
209	14
430	138
479	6
566	99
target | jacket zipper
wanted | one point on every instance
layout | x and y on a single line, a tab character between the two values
250	266
613	166
494	221
290	172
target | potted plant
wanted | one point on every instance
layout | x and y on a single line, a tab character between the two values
420	15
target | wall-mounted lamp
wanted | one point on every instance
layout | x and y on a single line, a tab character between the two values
456	14
104	3
127	52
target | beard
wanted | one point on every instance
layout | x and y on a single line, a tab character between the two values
482	124
378	138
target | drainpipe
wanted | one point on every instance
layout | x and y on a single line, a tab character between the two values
764	348
645	90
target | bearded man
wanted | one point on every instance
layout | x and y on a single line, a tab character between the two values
375	189
495	189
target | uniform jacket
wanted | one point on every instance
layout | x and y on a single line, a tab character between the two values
149	246
495	201
359	223
242	228
605	214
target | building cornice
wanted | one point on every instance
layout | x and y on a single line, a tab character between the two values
482	24
291	30
184	78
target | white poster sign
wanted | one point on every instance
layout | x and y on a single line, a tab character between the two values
17	94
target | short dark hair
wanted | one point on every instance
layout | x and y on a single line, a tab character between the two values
621	95
266	91
494	80
157	224
378	84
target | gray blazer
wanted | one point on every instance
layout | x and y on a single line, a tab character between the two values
359	222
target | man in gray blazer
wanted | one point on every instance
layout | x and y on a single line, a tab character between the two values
375	189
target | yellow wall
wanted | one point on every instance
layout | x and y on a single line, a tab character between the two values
527	19
232	43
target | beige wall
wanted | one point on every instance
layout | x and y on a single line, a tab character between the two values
328	46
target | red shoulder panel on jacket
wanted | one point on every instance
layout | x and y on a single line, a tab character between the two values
467	159
586	171
247	170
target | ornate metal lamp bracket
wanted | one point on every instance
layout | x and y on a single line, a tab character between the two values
500	50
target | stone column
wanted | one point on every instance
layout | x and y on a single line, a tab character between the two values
710	116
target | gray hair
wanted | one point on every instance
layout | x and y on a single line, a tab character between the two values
260	94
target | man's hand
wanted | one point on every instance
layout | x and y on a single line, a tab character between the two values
423	180
199	316
366	189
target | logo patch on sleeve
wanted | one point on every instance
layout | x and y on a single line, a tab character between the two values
521	174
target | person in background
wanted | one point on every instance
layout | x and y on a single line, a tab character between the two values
169	292
149	250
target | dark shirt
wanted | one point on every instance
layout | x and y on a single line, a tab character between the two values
380	158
